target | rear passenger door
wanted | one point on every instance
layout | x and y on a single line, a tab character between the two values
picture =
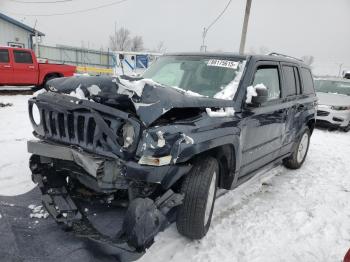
291	96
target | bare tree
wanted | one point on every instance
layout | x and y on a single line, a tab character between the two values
136	44
121	40
161	47
308	59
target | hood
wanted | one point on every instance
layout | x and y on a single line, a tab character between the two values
333	99
148	99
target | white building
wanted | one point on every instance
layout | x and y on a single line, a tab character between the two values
16	34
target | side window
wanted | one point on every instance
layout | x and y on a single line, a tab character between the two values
23	57
4	56
308	82
289	81
269	76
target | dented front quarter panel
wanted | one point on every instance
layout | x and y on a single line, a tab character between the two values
183	141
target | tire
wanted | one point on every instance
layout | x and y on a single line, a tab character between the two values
47	80
199	188
297	158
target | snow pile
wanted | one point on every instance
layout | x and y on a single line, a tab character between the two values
251	91
78	93
130	88
15	131
38	212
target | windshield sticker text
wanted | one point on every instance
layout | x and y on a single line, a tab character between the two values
223	63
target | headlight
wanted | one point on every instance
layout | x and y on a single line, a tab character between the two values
36	114
340	108
155	161
128	135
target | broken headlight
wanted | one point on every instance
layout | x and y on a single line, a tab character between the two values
36	114
155	161
128	131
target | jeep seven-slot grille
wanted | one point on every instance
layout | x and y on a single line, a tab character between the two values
79	128
322	113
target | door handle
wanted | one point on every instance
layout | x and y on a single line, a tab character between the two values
7	66
31	67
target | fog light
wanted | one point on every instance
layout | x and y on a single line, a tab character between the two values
36	114
155	161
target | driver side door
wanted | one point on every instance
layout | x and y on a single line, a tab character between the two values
262	126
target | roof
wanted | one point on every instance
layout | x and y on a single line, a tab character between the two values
19	24
278	58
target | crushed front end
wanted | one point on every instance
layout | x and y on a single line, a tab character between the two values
85	154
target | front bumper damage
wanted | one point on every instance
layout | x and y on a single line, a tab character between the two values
143	218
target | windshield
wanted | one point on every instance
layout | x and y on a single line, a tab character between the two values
212	77
333	86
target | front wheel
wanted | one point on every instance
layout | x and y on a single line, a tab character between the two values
297	158
199	188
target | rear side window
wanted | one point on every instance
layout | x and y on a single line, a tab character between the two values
290	87
23	57
269	76
308	82
4	56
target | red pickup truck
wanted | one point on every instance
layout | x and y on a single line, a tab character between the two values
19	67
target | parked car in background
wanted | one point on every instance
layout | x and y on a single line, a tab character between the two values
19	67
334	103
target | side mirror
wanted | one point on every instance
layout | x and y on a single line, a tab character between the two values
262	96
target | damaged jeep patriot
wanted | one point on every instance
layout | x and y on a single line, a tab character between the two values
155	149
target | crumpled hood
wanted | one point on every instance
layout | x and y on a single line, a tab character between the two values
333	99
149	99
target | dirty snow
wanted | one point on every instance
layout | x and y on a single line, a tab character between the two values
285	215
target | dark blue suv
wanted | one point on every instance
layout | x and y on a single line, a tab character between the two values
160	145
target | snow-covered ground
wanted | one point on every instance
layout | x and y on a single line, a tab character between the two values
284	215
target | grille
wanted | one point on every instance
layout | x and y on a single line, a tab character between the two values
322	113
80	128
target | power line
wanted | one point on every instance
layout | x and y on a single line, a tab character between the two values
73	12
40	2
219	16
206	29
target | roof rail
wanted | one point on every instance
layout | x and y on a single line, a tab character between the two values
287	56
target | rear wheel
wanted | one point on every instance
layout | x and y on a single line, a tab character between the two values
199	187
297	158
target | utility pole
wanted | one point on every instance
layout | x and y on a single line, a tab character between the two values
245	27
203	46
36	40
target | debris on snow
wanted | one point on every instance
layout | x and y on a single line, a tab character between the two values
38	212
251	91
5	104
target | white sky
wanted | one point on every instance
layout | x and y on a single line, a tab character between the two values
295	27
